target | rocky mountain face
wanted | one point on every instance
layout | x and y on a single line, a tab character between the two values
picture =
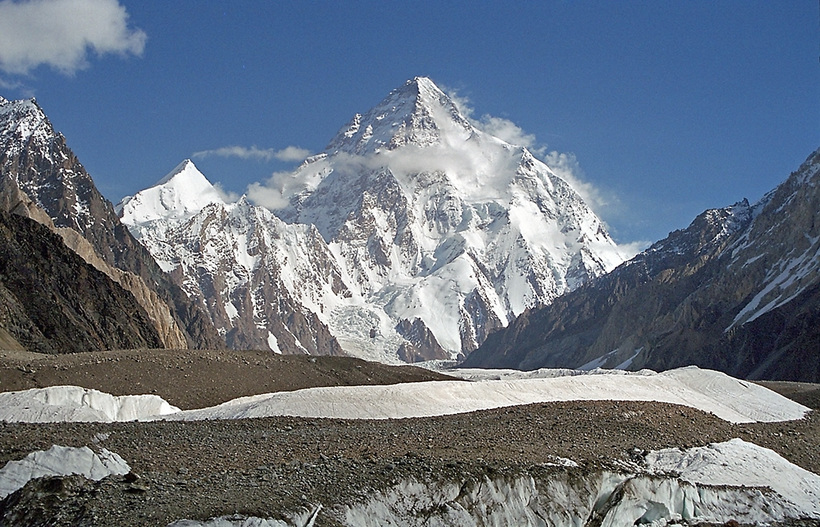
253	272
52	301
442	225
412	236
737	291
41	178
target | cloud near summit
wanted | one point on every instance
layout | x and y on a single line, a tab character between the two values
61	33
288	154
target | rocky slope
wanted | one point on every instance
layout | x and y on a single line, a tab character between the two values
40	177
52	301
427	233
255	274
737	291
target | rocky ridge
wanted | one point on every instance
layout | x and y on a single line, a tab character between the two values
54	302
41	178
736	291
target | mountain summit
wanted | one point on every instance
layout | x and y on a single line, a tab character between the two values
443	226
179	195
418	113
430	232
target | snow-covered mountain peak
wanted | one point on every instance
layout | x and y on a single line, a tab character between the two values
178	196
19	121
426	234
418	113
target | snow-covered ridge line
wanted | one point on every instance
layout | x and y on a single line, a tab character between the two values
710	391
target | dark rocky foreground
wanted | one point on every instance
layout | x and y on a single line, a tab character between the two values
271	466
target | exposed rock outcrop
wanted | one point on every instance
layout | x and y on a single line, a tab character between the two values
737	291
41	178
54	302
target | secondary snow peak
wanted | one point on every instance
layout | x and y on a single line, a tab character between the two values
180	194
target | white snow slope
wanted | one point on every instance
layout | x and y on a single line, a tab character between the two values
728	398
178	196
75	404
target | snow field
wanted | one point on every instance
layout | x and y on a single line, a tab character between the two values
728	398
75	404
710	391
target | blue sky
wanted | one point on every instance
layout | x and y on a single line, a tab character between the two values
668	108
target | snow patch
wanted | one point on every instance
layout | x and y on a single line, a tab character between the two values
75	404
60	461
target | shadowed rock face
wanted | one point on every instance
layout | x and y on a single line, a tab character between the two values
737	291
54	302
39	171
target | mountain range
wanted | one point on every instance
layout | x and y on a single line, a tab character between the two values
737	291
412	236
42	179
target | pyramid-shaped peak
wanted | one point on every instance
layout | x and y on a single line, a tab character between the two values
418	113
179	195
422	86
184	172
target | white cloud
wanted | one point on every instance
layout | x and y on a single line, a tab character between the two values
60	33
275	192
292	154
226	195
504	129
630	249
567	168
510	132
288	154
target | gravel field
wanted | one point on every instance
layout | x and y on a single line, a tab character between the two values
268	466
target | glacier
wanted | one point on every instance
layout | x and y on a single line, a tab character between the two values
721	482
